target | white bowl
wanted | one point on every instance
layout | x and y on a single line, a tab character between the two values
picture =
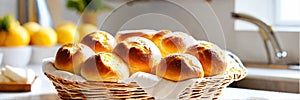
1	57
16	56
40	52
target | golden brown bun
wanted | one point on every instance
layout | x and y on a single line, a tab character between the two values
104	67
175	42
139	53
122	35
157	37
71	55
210	56
99	41
178	67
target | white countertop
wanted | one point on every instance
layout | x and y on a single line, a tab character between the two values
43	89
274	74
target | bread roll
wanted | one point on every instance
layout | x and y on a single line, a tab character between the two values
175	42
99	41
210	56
140	53
71	55
178	67
157	37
104	67
122	35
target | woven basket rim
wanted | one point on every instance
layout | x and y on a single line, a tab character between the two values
211	77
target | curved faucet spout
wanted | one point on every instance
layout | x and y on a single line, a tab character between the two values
267	34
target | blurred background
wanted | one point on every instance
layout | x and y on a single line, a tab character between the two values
241	37
267	42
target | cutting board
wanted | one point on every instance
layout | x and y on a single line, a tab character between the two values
17	86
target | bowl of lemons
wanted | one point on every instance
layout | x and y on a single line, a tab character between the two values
43	42
30	43
14	40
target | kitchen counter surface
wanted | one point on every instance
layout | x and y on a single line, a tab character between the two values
283	80
43	89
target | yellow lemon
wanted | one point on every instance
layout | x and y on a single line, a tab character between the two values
11	33
17	36
67	33
85	29
66	24
3	35
31	27
44	37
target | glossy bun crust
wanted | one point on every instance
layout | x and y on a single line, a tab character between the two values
99	41
211	57
172	42
71	55
139	53
104	67
122	35
179	67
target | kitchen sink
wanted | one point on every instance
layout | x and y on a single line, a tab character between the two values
281	78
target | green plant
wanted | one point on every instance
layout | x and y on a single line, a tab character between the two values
7	21
87	5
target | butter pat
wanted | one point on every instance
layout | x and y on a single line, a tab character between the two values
4	78
17	74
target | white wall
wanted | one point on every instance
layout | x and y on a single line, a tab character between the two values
248	45
8	6
262	9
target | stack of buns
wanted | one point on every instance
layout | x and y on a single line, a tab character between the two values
175	56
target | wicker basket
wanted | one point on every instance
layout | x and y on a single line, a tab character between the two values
208	88
204	88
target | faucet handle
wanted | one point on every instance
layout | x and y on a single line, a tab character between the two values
281	54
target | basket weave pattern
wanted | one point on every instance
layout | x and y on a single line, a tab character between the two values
205	88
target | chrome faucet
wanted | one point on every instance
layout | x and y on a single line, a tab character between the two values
34	10
267	34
